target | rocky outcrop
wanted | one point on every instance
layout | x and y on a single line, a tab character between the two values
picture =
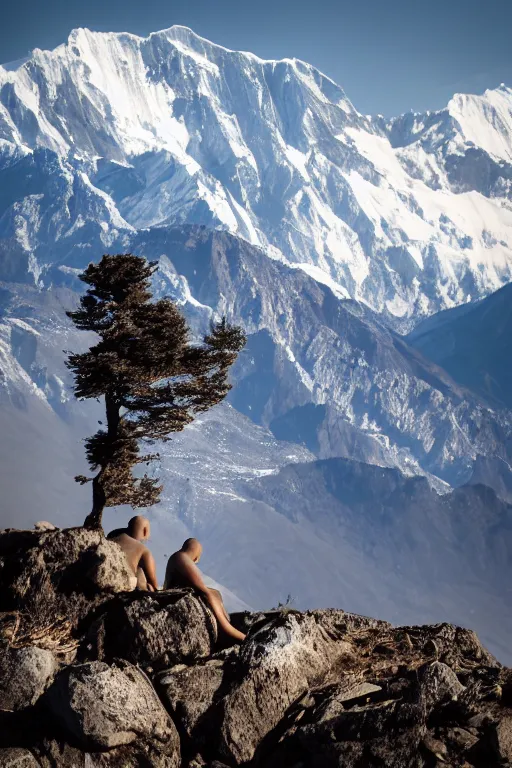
284	659
48	574
149	684
155	630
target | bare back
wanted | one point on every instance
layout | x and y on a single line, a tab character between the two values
181	571
137	555
132	548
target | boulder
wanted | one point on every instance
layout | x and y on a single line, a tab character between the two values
103	707
393	705
17	758
25	674
502	740
109	570
438	684
59	573
278	663
189	693
156	630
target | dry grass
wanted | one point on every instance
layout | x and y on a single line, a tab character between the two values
21	630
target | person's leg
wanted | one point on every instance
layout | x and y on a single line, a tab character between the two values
215	601
219	596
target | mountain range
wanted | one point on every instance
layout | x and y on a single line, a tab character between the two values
366	260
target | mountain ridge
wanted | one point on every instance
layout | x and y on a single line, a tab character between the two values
155	131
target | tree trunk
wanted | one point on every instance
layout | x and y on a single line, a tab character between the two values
99	499
93	519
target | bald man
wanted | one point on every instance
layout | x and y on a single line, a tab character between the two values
140	559
182	571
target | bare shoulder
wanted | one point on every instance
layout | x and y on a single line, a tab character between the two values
129	543
182	561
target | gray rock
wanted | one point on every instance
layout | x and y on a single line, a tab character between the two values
17	758
110	570
60	572
189	692
104	707
439	683
278	663
502	739
159	630
25	673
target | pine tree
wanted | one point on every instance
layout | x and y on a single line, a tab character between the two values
152	377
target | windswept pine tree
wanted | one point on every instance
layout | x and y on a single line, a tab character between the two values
152	376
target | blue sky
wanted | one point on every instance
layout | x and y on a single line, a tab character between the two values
388	55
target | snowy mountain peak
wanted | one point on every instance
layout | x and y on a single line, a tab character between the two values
485	120
409	216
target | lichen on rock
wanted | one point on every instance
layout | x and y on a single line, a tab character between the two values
106	706
25	674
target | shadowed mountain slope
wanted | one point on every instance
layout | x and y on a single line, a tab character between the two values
473	343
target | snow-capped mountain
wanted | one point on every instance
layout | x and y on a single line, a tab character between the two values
265	195
111	132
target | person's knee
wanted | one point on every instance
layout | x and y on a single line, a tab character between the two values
216	593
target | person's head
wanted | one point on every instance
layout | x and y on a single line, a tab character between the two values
138	528
193	549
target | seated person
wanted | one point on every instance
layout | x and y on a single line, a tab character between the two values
139	557
182	571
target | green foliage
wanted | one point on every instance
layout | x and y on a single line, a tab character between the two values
152	377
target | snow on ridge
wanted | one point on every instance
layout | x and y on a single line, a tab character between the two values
485	120
274	152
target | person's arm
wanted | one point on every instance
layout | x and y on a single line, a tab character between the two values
148	565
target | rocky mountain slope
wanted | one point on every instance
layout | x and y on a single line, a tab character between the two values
473	343
111	132
93	674
318	369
